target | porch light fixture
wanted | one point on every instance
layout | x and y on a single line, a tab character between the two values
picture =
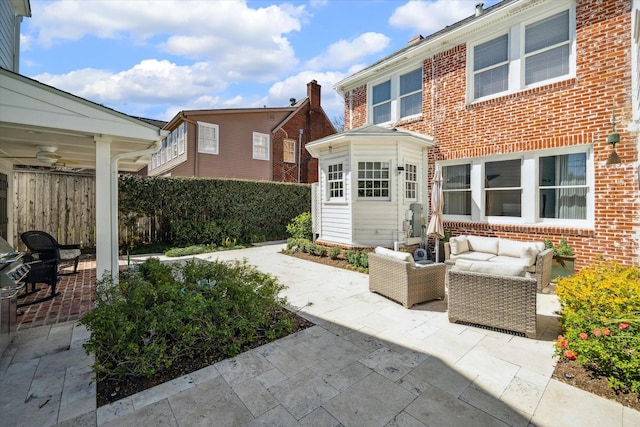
613	139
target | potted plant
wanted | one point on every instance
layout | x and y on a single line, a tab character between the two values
441	242
563	257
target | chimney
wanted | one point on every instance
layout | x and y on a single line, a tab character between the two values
479	10
415	39
313	92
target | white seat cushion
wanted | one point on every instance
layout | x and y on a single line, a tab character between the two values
510	260
472	256
495	268
487	245
401	256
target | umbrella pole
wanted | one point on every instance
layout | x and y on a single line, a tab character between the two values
437	250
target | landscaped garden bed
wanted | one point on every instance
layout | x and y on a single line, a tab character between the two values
163	321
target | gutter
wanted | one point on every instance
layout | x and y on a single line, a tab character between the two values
157	145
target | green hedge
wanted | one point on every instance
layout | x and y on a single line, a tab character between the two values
186	211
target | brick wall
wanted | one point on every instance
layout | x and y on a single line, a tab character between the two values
572	112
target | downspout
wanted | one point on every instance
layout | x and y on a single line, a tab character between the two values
157	145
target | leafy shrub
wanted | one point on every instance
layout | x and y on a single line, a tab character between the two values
601	322
563	248
358	259
161	314
319	250
334	252
301	227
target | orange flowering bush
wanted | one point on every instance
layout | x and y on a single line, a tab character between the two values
601	322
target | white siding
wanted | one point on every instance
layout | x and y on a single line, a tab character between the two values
7	35
336	216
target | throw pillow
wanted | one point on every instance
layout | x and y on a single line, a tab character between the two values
401	256
458	245
529	253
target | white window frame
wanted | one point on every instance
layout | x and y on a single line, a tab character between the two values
384	166
530	201
635	63
335	182
517	56
293	143
182	136
207	144
261	142
170	146
395	96
410	181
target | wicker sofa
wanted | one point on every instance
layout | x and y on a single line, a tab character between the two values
533	256
498	296
395	275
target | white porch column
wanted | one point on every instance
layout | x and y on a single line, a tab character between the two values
103	206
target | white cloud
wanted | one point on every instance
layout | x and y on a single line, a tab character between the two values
346	52
147	82
427	17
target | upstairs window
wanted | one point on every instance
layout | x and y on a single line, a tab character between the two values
261	146
525	55
397	98
207	138
289	150
382	102
546	48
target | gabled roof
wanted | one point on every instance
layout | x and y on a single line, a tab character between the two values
435	42
369	133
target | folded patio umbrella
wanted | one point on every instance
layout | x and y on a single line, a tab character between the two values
436	229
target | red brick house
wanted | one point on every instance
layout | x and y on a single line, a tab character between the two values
245	143
517	100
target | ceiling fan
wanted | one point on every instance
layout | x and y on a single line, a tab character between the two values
46	154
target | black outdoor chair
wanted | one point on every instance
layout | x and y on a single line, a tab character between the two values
44	247
40	271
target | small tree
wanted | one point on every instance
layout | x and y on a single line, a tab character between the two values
301	227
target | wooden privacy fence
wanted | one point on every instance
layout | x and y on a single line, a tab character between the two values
61	204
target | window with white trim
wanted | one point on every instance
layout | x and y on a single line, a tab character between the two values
525	55
208	135
563	186
456	189
289	150
410	181
182	135
335	181
261	146
549	186
373	180
170	146
502	190
397	98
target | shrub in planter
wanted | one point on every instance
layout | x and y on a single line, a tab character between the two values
334	252
601	322
161	314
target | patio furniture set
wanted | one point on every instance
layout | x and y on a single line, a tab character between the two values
490	281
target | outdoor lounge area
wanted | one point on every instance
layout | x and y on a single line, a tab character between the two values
365	352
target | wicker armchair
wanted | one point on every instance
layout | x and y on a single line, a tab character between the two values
499	301
405	282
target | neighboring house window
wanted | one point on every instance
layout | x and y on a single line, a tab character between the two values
335	181
207	138
373	180
182	134
410	181
289	150
548	186
169	146
152	163
527	54
456	189
503	193
163	151
261	146
563	186
397	98
174	142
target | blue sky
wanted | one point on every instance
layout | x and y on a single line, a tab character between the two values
155	58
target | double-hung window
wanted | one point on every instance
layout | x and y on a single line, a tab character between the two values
410	181
523	55
373	180
182	134
502	190
563	186
289	150
261	146
207	138
397	98
335	181
456	189
382	102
